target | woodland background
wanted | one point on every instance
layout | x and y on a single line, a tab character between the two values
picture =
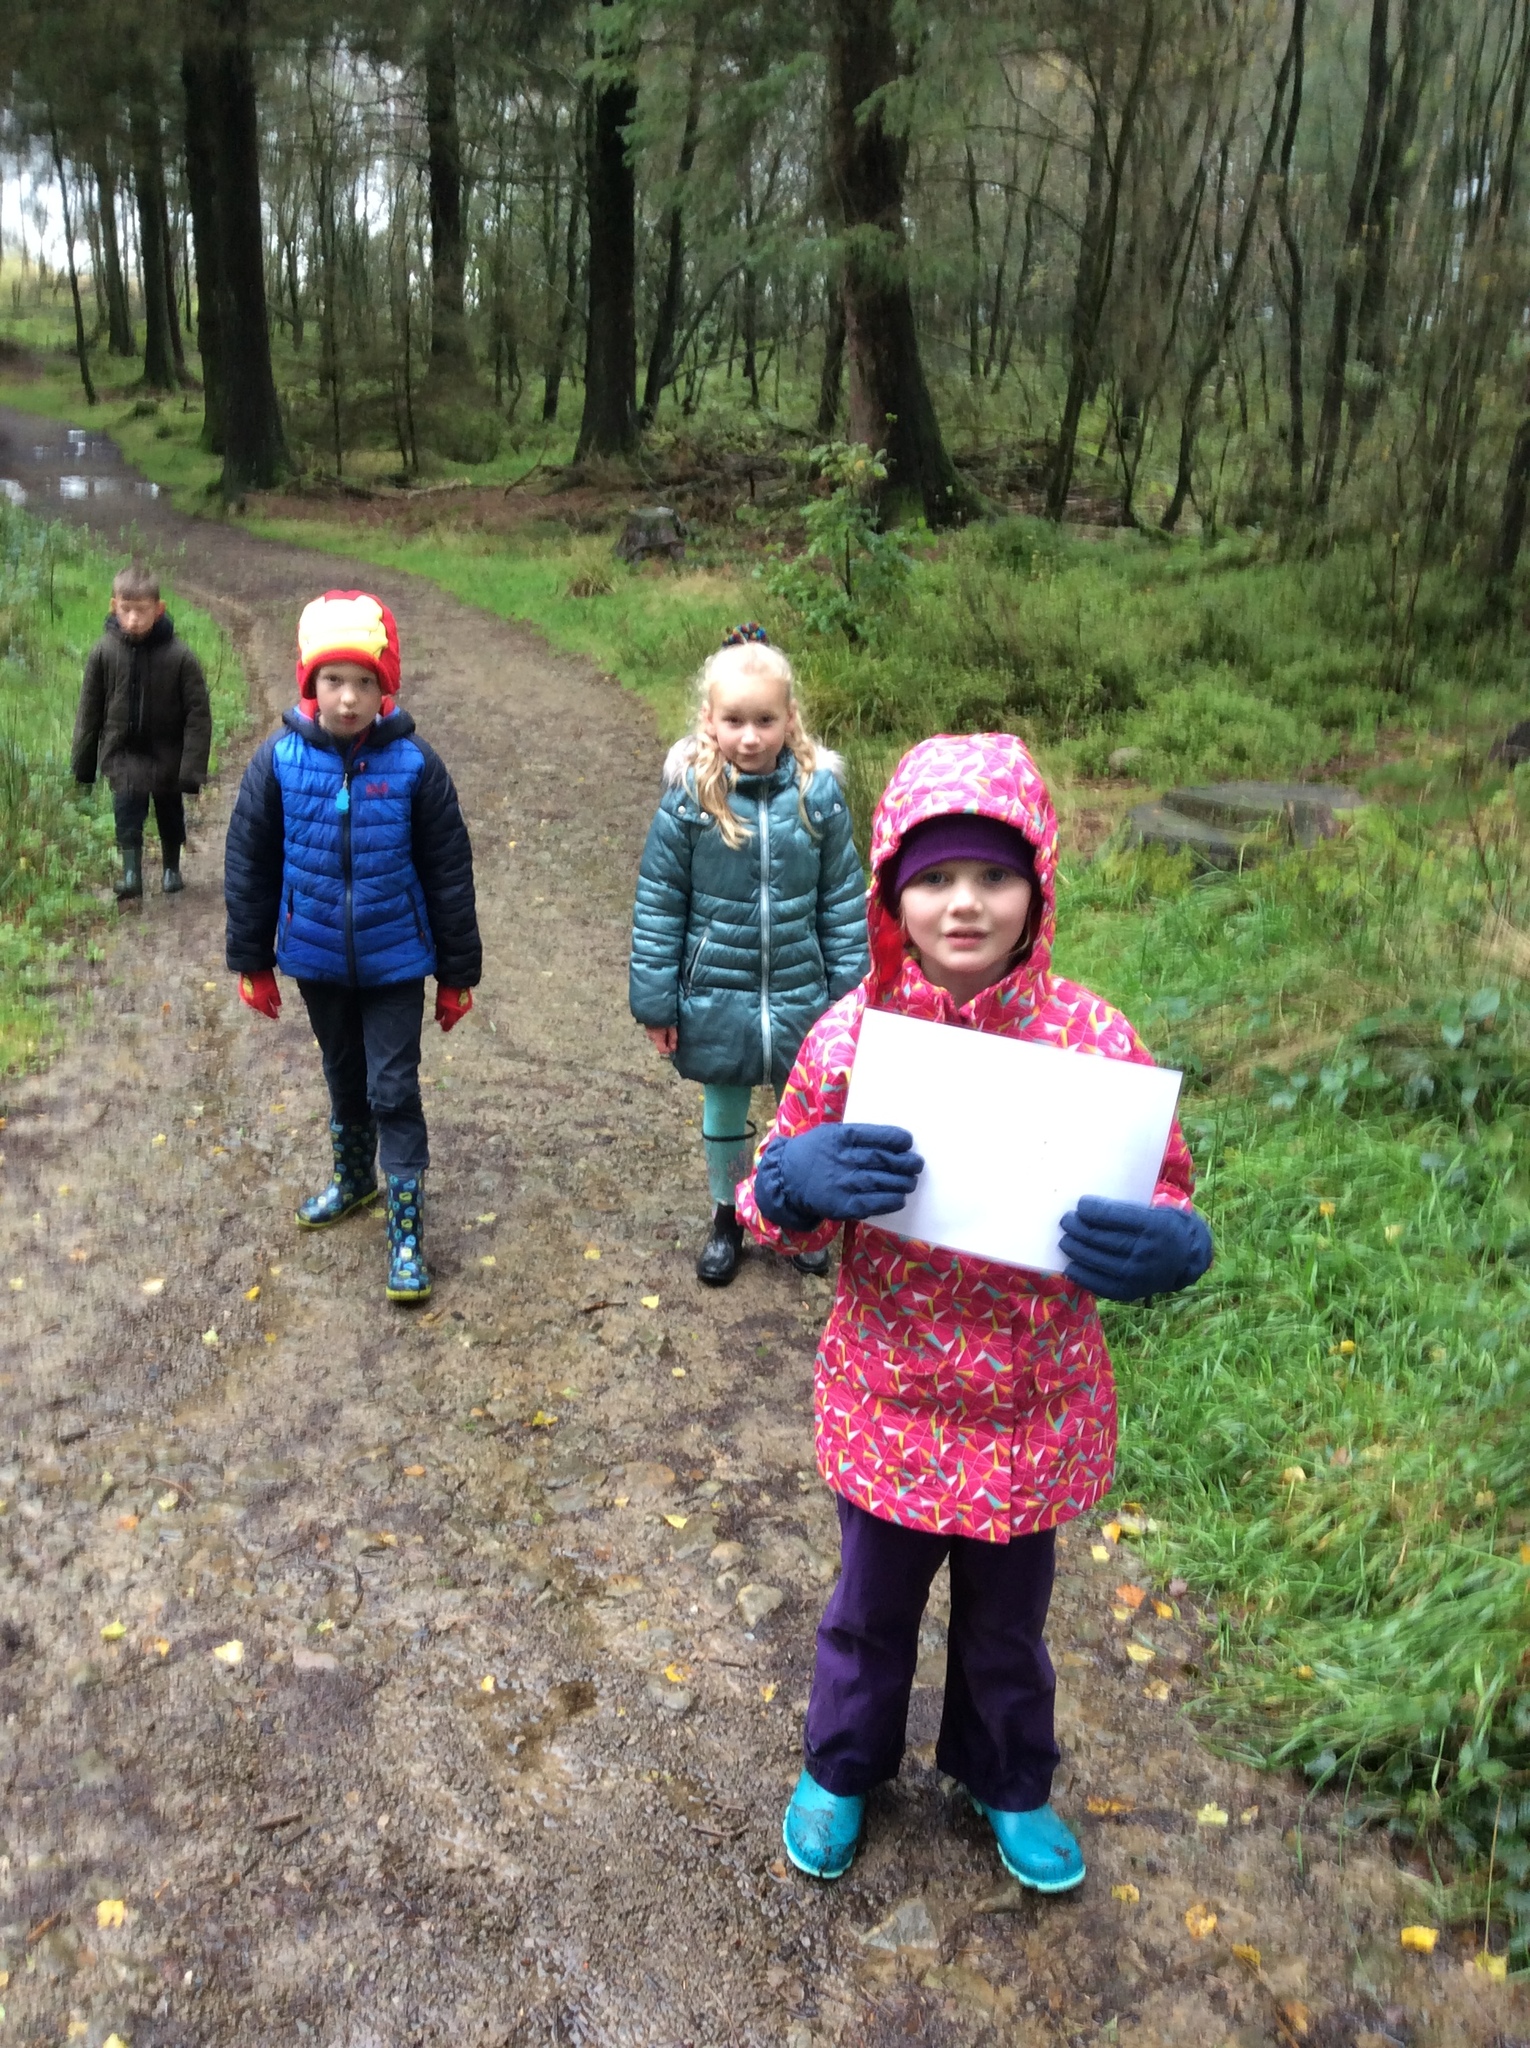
1152	379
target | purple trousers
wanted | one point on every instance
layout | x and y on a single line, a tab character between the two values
996	1728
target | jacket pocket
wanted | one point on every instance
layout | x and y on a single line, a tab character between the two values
419	922
688	979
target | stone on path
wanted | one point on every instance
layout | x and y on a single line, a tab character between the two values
1233	824
755	1602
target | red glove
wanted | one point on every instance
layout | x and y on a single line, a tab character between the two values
452	1005
259	992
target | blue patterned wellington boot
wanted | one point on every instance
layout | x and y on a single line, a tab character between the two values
354	1183
821	1829
1036	1847
408	1279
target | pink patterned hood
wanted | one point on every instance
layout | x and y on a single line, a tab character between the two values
952	1393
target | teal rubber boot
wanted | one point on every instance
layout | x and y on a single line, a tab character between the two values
1036	1848
130	888
821	1829
408	1279
354	1182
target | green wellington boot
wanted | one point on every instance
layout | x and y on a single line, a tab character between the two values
131	885
408	1279
354	1182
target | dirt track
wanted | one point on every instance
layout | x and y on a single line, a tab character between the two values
352	1837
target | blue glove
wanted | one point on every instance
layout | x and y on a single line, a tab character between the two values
1127	1250
847	1171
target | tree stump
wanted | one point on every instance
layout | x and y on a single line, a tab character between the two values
653	531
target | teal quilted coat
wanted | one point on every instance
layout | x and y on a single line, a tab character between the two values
745	947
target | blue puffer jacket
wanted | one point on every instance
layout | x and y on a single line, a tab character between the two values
745	947
349	861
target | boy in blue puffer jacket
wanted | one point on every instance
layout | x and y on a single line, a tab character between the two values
348	866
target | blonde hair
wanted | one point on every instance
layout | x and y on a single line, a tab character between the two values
713	775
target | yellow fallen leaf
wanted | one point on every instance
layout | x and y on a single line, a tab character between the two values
1201	1921
325	1627
1248	1816
1524	1553
768	1692
1212	1816
1484	1498
1140	1653
1130	1596
677	1521
152	1287
159	1138
1392	1233
1247	1953
385	1538
1128	1894
160	1646
210	1338
542	1420
1164	1610
209	985
592	1251
488	1259
1293	1476
1121	1613
167	1503
621	1500
278	1109
1098	1805
677	1372
1420	1939
486	1684
230	1653
116	2040
1099	1553
1304	1671
78	1256
18	1285
488	1217
114	1631
1111	1531
478	1414
1156	1689
649	1300
275	1272
414	1471
677	1674
1346	1347
1496	1967
64	1188
1326	1209
110	1912
252	1293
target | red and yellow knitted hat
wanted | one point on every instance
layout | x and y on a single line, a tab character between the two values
349	625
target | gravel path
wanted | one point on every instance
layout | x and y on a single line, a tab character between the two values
503	1759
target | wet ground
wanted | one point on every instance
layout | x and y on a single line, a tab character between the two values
371	1677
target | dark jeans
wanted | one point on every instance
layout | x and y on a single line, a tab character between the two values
996	1728
370	1042
132	813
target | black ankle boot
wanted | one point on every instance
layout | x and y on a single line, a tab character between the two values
131	885
814	1264
723	1249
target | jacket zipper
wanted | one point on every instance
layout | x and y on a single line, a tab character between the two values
344	802
765	1033
690	973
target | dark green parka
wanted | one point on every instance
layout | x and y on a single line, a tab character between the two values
745	947
144	722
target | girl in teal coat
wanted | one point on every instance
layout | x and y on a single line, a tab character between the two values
751	909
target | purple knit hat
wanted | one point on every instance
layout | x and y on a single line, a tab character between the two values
960	835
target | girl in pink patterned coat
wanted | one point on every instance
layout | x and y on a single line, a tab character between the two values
963	1409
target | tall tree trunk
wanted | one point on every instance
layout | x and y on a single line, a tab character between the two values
1295	295
1516	501
661	365
172	295
199	84
1097	254
149	184
975	283
119	323
80	346
254	444
832	376
451	353
1230	279
552	377
1330	418
890	404
609	425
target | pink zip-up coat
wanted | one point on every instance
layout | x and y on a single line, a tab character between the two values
954	1394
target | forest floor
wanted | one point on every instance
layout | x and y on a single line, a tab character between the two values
501	1759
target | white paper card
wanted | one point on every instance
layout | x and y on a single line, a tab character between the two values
1011	1133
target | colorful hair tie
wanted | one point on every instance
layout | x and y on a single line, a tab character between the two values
740	636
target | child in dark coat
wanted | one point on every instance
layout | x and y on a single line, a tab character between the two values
144	723
349	867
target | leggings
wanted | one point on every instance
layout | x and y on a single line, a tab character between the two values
728	1137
